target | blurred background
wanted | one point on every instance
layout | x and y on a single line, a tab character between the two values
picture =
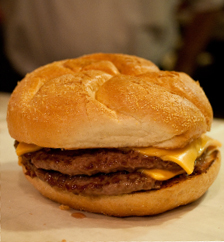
185	35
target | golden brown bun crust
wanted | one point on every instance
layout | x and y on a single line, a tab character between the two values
107	100
136	204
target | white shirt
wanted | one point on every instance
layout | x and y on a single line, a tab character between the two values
41	31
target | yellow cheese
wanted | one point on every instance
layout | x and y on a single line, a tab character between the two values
159	174
23	148
184	157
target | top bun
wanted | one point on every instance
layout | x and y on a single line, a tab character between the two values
107	100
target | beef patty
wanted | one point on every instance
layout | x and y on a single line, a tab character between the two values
93	161
101	171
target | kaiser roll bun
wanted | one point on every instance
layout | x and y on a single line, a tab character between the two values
107	100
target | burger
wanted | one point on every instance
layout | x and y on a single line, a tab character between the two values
114	134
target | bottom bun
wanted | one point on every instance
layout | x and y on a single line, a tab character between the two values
135	204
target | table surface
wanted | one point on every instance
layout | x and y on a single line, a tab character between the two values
27	216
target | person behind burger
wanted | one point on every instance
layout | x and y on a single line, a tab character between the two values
144	28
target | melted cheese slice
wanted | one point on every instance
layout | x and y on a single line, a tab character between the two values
23	148
184	157
159	174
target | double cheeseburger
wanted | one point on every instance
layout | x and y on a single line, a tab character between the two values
113	134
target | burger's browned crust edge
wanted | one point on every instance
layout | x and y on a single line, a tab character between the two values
136	204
